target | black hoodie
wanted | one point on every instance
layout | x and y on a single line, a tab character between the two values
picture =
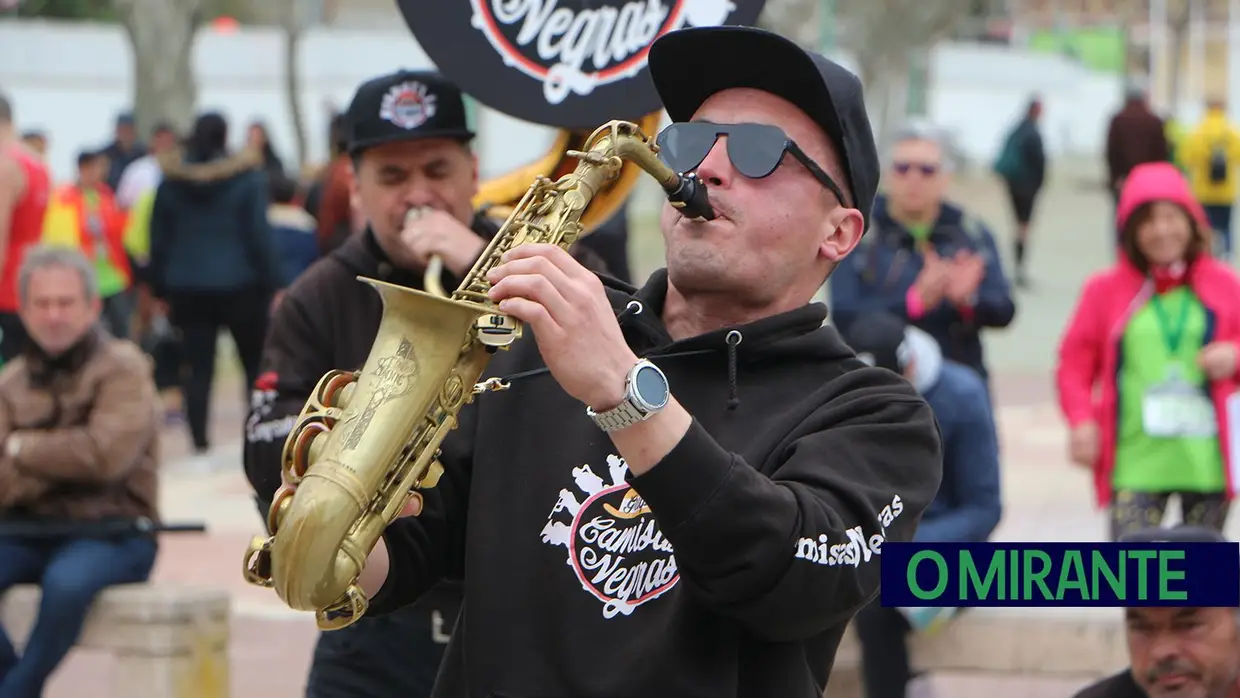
800	462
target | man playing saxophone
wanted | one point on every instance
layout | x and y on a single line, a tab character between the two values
722	471
414	178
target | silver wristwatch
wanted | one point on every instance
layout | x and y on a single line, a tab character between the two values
646	393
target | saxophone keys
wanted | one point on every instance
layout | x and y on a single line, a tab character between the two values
302	453
279	507
333	388
497	330
257	564
345	612
431	477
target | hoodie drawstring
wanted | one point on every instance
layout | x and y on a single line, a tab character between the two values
733	340
632	309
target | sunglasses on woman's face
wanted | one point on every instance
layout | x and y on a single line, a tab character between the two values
755	150
926	169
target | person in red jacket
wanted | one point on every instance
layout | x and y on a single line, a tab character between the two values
1148	365
25	186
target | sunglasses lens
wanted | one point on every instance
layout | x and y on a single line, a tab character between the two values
684	146
755	150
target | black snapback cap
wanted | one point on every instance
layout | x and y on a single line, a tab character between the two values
759	59
403	106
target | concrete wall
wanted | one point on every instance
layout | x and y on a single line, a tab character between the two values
71	80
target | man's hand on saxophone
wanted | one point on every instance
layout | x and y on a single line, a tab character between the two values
580	340
430	232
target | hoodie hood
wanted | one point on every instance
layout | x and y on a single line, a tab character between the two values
780	336
1158	181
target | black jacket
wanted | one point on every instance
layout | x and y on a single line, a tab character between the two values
328	319
886	263
801	461
209	229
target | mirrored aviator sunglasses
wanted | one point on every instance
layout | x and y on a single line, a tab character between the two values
755	150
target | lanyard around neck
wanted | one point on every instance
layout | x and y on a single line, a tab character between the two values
1172	334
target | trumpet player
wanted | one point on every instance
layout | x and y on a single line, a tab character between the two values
414	177
721	469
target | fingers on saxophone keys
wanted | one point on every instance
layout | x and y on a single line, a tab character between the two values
413	505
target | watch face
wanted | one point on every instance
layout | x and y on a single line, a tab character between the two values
651	387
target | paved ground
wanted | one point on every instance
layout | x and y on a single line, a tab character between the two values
1046	499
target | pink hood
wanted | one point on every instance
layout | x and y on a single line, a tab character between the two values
1158	181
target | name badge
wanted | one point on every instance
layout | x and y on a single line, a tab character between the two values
1176	409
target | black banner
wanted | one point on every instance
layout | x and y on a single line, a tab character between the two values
572	64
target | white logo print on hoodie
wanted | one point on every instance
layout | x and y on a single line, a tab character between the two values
614	544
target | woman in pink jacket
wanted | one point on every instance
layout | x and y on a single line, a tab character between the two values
1147	370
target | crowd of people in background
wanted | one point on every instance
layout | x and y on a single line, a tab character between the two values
186	236
190	234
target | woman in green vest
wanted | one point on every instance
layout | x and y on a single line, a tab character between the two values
1148	365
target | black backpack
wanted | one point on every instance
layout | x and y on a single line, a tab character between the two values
1218	162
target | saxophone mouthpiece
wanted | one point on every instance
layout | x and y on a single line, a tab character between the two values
688	194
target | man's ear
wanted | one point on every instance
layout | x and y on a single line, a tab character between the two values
843	228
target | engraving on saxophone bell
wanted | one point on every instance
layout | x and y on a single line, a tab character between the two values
395	375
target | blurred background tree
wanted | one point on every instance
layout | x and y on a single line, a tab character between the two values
293	21
888	41
161	35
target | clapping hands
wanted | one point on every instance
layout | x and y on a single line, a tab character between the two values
955	280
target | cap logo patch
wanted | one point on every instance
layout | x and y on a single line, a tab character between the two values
408	105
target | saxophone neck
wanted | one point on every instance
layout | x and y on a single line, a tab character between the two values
684	191
550	212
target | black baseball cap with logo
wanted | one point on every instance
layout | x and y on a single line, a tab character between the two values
403	106
755	58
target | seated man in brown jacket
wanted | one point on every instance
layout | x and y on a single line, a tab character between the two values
79	427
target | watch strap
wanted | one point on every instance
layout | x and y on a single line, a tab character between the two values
625	414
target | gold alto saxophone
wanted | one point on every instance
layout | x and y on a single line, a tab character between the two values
367	441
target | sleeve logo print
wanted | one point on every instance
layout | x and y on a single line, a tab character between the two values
614	544
857	548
